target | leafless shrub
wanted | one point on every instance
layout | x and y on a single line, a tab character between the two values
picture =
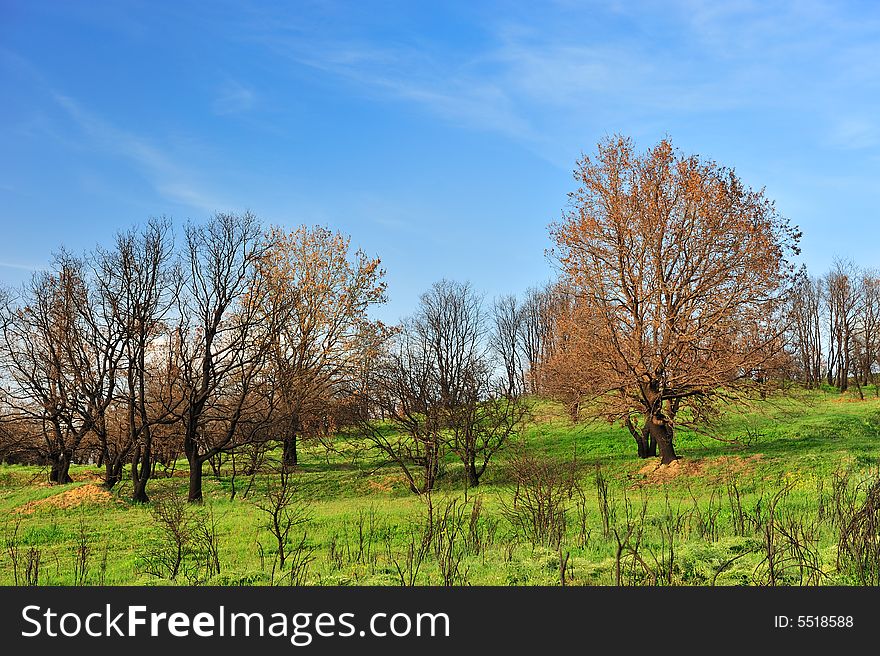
707	521
300	556
25	563
174	520
366	536
10	542
790	546
186	544
284	512
858	544
737	513
83	553
450	540
543	490
606	507
32	559
670	525
409	563
630	568
207	544
582	516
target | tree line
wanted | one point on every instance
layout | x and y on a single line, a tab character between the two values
677	297
238	338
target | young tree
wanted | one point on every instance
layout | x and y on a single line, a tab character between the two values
681	274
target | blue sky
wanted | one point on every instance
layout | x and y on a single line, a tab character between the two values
441	136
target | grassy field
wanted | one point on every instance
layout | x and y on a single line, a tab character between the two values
761	507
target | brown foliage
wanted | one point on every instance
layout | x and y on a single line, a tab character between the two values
677	274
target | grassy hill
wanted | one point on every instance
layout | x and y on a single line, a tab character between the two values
774	500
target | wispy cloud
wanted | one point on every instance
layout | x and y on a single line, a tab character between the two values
855	133
403	73
234	98
19	267
538	79
169	179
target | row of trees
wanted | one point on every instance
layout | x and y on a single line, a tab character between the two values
242	338
835	330
140	352
676	299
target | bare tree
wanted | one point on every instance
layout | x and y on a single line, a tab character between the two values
508	327
218	352
60	377
806	328
843	302
138	284
436	390
681	275
536	332
403	389
867	338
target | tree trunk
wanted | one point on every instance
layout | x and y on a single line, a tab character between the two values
650	443
140	474
662	433
645	443
289	458
195	480
60	470
472	475
112	472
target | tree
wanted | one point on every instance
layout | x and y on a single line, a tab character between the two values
436	391
867	355
538	313
317	296
680	274
60	360
508	319
138	284
843	303
218	351
806	327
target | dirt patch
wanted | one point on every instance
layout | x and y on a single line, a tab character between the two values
84	494
714	470
654	473
87	477
386	484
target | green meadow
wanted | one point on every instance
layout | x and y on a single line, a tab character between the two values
768	496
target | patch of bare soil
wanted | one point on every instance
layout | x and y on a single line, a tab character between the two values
386	483
91	493
654	473
712	470
87	477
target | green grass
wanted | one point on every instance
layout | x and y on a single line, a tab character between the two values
797	441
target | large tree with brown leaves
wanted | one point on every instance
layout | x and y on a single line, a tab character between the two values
678	274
